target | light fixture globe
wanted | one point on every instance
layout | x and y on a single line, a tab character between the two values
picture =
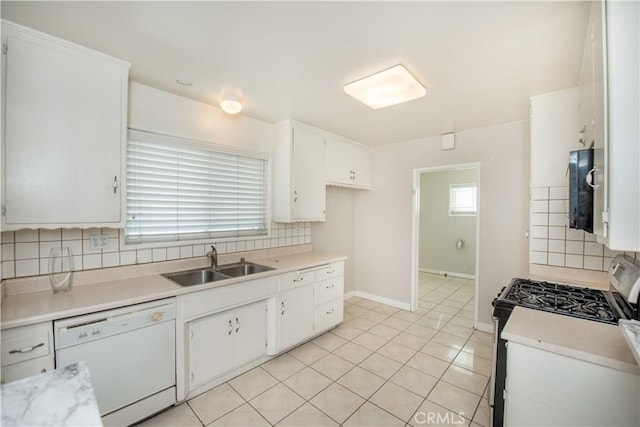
231	105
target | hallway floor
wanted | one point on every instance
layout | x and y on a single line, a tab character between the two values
381	367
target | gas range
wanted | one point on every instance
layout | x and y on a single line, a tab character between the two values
621	302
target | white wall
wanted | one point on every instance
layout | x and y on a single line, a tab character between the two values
383	227
337	234
155	110
439	232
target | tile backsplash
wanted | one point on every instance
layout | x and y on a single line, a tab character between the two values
552	242
26	252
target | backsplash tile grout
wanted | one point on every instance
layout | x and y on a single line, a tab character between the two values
552	242
26	252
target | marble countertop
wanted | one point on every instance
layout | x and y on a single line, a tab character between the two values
63	397
131	287
586	340
631	333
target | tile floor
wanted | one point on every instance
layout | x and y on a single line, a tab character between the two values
381	367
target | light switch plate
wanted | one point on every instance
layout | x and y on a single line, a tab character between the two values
98	241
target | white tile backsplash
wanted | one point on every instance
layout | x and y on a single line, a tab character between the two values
25	252
558	245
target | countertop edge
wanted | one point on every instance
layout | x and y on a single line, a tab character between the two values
552	341
282	264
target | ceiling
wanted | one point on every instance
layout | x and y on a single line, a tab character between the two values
480	61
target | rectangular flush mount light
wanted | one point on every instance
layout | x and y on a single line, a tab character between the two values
389	87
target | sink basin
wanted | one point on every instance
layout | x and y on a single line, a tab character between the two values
242	269
196	277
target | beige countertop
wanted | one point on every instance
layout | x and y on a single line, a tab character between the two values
586	340
131	287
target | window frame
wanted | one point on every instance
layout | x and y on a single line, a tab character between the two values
452	187
151	136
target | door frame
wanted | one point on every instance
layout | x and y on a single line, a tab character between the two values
416	229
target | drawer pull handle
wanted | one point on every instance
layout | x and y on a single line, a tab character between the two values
230	327
237	325
331	272
299	279
330	287
27	350
282	304
331	311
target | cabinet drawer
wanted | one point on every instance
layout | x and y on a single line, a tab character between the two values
297	278
329	289
329	314
26	369
26	343
332	270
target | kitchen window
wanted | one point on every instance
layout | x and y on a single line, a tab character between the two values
183	190
462	199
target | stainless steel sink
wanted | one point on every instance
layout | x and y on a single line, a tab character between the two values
242	269
201	276
196	277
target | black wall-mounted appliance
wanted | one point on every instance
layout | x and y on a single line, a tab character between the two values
581	190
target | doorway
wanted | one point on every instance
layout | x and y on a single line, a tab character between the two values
445	242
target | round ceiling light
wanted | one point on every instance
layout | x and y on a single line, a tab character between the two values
231	105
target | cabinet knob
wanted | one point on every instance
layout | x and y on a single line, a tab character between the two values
115	184
237	325
230	327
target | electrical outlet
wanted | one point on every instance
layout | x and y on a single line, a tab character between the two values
98	241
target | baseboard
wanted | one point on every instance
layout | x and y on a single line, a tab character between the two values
350	294
486	327
448	273
383	300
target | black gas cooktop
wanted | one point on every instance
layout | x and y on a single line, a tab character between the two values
590	304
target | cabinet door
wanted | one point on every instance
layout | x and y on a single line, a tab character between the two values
309	175
250	333
26	369
65	121
362	166
210	348
339	165
295	316
586	89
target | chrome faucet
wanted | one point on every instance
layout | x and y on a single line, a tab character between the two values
213	255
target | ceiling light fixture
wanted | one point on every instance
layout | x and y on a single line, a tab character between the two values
389	87
231	105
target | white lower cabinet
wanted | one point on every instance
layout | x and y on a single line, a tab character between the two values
295	316
224	331
221	342
27	351
549	389
328	314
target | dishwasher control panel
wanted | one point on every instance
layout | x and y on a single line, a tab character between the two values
77	330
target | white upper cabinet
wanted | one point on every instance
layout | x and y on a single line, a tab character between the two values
299	184
617	158
554	123
349	164
65	133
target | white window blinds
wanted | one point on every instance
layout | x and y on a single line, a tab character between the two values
462	199
178	190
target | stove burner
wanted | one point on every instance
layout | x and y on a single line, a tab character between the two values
562	299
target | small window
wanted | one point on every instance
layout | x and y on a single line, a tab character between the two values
462	199
180	190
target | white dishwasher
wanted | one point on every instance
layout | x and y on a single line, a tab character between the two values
130	353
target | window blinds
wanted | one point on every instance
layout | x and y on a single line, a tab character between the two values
462	199
178	190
